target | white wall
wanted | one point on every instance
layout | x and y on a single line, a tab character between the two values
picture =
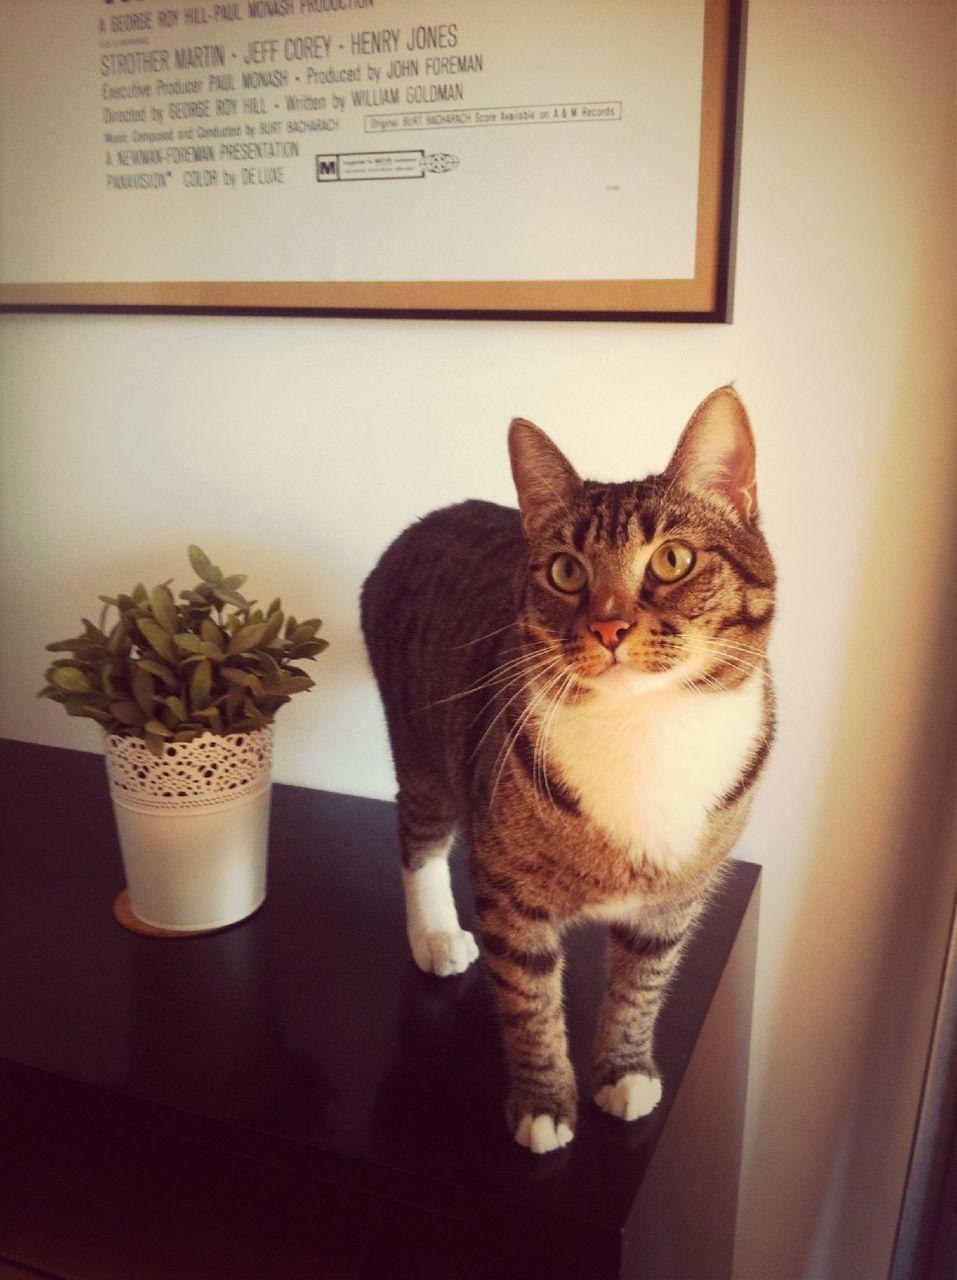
294	449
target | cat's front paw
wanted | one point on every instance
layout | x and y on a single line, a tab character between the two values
444	953
631	1096
543	1119
543	1133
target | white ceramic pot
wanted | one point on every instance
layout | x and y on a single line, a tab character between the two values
193	827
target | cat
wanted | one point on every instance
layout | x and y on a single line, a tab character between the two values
580	688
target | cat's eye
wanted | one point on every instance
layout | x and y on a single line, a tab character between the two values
671	561
567	574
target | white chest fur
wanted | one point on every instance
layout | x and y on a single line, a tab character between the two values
648	765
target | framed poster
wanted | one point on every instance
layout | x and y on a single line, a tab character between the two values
542	159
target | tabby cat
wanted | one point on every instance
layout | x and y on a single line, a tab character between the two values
581	689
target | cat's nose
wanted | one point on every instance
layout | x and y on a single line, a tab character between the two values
610	631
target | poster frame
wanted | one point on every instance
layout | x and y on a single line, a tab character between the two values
705	297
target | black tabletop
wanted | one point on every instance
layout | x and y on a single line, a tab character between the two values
304	1036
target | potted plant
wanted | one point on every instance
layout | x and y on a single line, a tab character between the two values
185	691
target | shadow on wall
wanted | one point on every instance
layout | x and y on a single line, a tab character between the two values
856	999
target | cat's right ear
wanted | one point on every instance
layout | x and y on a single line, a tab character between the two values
544	478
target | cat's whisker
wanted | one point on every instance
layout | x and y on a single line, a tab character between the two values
727	649
737	660
467	644
539	751
545	730
528	683
729	645
508	747
523	679
528	664
738	665
511	738
707	682
500	675
693	684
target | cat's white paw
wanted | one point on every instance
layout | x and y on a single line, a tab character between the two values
541	1134
631	1097
444	952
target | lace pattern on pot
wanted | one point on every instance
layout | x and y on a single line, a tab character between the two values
189	776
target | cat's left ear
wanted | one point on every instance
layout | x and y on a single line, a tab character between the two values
544	478
716	453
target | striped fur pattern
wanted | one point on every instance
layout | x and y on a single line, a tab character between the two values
580	688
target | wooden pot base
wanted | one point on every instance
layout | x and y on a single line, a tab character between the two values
123	911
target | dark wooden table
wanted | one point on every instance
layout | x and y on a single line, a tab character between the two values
291	1099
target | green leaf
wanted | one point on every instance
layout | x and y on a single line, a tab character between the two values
201	682
70	679
65	646
234	582
212	716
164	609
158	639
267	663
79	709
127	713
188	643
176	706
225	596
84	656
95	698
157	728
302	635
91	653
199	648
248	680
211	633
158	669
203	567
311	649
187	733
119	639
92	633
273	627
140	595
247	638
95	713
143	689
295	684
233	702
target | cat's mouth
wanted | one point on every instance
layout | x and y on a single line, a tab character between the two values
612	662
633	671
614	667
625	680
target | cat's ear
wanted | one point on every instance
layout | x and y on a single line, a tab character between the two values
716	453
544	478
